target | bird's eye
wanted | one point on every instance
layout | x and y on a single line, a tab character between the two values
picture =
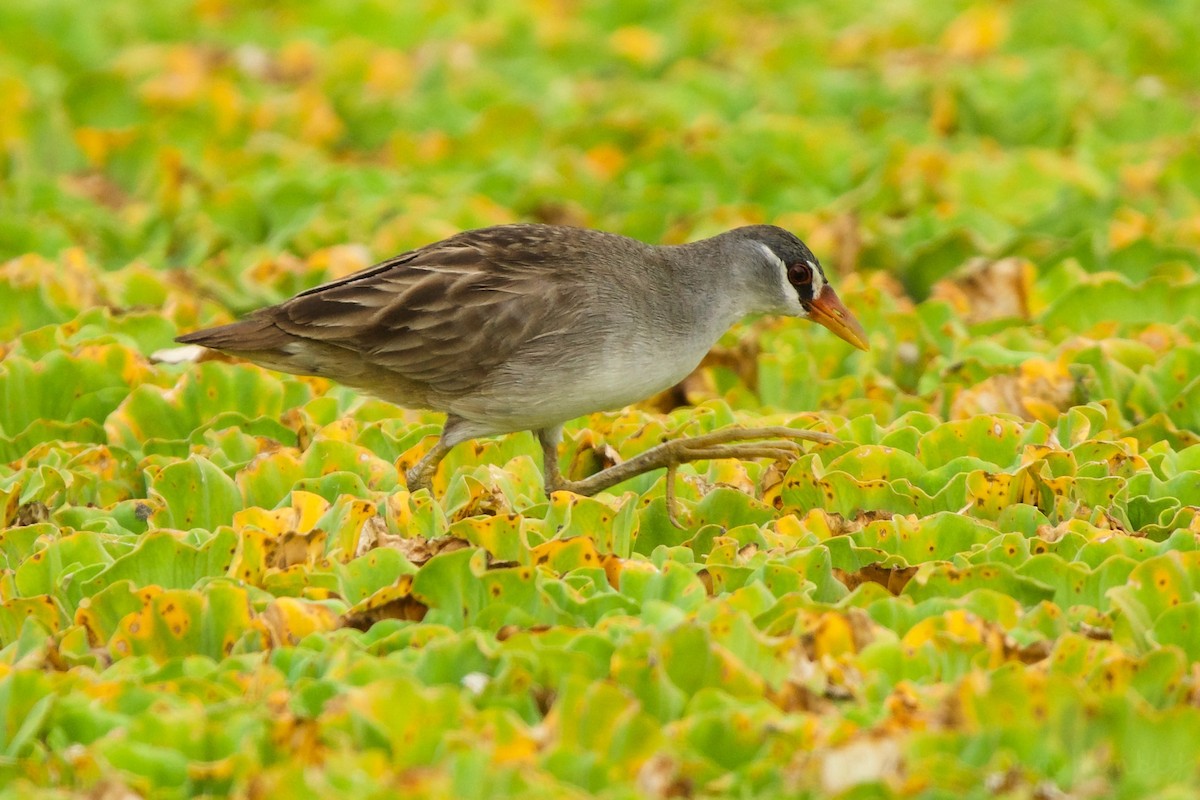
800	274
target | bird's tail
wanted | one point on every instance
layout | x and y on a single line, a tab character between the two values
257	339
253	334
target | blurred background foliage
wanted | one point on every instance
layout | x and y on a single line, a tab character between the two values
905	136
214	582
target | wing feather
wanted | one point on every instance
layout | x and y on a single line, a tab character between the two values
445	315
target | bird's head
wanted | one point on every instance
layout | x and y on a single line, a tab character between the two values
795	283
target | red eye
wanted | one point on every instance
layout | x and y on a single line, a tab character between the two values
800	274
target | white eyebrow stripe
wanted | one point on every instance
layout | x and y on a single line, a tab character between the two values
771	255
785	286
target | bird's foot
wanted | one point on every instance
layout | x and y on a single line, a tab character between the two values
420	476
736	443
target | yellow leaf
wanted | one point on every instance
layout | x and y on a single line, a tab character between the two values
637	44
98	144
958	623
563	555
343	429
1140	178
180	80
1186	231
290	619
1126	227
976	32
604	161
297	60
227	104
833	635
488	212
518	749
172	174
340	260
389	72
319	122
212	10
15	100
905	709
944	114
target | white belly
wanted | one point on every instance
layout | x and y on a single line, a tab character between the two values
524	398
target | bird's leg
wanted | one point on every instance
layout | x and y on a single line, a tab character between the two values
669	500
421	475
549	439
735	443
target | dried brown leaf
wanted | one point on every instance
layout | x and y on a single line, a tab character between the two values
985	290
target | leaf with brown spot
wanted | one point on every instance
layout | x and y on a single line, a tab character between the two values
564	555
294	548
419	550
390	602
290	619
893	579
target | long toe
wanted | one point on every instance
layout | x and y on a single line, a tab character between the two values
727	435
747	450
575	487
782	443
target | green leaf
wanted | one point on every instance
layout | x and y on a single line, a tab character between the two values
161	559
193	493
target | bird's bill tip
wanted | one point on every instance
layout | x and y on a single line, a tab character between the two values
827	309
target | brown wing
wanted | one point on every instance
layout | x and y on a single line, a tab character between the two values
444	316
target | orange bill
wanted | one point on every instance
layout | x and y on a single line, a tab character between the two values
828	310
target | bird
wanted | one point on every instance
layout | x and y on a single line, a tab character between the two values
525	326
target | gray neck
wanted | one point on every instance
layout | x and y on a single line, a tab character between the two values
716	281
731	274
